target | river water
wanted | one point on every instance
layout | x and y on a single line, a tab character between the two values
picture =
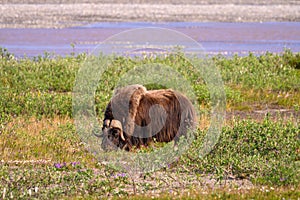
214	37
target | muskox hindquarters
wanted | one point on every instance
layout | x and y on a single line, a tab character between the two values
136	117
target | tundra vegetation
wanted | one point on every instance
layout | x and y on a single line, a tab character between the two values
257	155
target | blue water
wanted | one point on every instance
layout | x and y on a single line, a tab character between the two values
214	37
183	24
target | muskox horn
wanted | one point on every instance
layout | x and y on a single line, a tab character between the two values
117	124
106	123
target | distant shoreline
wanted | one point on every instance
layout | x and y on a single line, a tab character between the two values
51	14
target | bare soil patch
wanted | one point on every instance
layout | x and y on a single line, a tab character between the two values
274	114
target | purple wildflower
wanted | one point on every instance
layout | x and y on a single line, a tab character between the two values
120	175
58	165
75	163
282	179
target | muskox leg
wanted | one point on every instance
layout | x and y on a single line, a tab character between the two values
186	129
126	147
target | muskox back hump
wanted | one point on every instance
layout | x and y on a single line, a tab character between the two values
175	106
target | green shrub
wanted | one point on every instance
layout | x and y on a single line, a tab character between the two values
266	153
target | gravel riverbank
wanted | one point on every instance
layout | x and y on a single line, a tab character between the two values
63	13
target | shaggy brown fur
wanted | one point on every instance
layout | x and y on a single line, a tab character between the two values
172	113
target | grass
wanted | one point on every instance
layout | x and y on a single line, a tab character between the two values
45	139
41	155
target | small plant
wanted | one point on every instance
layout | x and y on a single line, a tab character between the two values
4	54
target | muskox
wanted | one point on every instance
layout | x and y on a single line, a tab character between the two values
136	117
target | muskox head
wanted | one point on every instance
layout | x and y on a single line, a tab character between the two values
124	102
113	136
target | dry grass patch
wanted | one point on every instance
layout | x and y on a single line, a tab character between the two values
45	139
